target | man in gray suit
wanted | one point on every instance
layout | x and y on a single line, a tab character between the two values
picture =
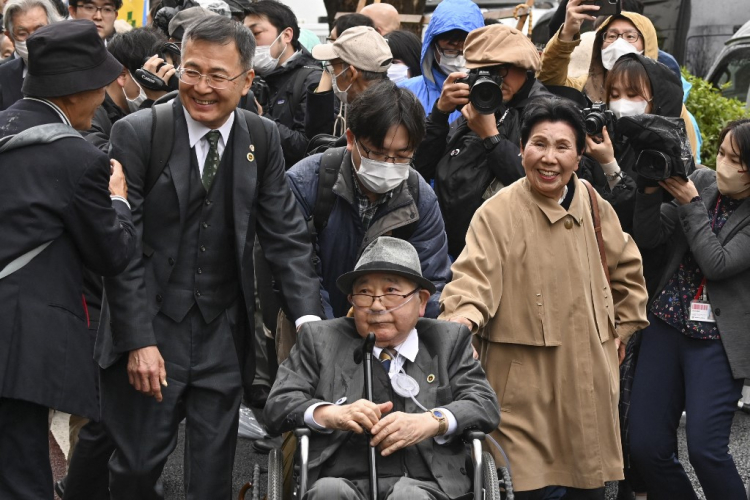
320	386
179	313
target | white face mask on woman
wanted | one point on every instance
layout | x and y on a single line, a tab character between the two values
398	72
616	50
626	107
263	62
380	176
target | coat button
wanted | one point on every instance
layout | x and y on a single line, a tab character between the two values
198	293
208	202
203	248
717	312
171	261
158	298
568	224
204	225
199	271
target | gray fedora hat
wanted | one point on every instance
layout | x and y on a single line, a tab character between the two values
66	58
390	256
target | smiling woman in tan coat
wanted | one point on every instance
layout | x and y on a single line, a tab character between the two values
530	283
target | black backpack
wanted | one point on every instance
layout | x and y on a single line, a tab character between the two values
330	165
162	133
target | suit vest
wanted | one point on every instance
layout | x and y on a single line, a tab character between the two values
350	460
205	272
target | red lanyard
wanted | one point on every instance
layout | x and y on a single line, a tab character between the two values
699	293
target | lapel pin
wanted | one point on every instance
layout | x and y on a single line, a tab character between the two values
430	378
250	157
252	147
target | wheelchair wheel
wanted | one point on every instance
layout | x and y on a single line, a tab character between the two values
489	477
506	483
275	475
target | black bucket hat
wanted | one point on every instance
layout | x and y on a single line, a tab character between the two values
66	58
390	256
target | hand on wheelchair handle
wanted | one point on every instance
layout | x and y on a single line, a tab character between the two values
399	430
357	417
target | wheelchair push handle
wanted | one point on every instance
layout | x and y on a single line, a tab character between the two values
367	346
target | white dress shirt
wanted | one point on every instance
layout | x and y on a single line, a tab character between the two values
197	138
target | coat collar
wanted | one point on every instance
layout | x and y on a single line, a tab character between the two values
710	194
552	209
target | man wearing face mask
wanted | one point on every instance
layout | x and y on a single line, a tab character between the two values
476	155
21	19
443	49
625	33
288	69
375	192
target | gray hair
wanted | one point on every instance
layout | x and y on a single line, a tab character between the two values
222	31
14	7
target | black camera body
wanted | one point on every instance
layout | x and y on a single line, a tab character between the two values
261	91
150	81
485	92
597	117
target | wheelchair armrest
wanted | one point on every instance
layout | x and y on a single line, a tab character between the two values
302	431
470	435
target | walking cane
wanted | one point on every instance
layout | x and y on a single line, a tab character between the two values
367	346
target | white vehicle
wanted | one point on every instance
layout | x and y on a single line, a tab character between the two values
733	66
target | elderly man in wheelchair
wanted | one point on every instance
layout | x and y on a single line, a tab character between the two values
427	392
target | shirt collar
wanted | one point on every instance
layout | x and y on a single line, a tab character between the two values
552	209
408	348
197	130
55	108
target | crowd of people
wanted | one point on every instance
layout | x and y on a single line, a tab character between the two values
218	208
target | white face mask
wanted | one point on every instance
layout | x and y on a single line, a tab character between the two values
380	176
135	104
263	62
616	50
22	51
452	64
341	94
398	72
626	107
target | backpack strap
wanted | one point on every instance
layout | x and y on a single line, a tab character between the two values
597	227
298	88
412	183
257	137
162	133
40	134
330	165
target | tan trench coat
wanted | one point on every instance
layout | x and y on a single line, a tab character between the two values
532	280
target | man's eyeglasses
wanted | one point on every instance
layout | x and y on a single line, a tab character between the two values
388	300
90	9
629	36
214	80
378	156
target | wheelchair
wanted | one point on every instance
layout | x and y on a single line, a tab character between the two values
489	482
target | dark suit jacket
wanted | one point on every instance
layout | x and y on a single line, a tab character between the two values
264	205
11	80
57	191
321	368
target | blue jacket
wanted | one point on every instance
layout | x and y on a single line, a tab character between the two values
343	239
449	15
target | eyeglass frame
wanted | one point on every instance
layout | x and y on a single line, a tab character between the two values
368	152
622	35
90	5
182	71
404	298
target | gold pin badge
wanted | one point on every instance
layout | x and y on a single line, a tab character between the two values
252	147
430	378
250	157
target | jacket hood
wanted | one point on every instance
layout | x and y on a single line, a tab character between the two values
449	15
594	87
666	88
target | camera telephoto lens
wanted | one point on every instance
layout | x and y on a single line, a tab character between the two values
486	96
594	123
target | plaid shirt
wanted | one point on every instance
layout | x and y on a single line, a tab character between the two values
366	208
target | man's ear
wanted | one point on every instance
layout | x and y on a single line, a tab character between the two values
72	11
287	34
424	296
349	140
248	81
122	78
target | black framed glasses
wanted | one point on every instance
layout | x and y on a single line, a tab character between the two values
90	9
631	36
388	300
214	80
449	52
378	156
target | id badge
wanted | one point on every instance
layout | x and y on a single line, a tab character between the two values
701	311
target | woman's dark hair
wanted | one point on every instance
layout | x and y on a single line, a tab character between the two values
347	21
553	109
631	75
740	130
278	14
406	47
383	105
222	31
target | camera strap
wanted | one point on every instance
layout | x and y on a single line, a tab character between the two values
598	228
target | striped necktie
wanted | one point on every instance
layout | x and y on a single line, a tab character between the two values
386	358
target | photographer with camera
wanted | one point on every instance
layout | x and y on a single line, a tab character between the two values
636	85
695	353
472	158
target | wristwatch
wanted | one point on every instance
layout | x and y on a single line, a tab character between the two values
490	142
442	421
